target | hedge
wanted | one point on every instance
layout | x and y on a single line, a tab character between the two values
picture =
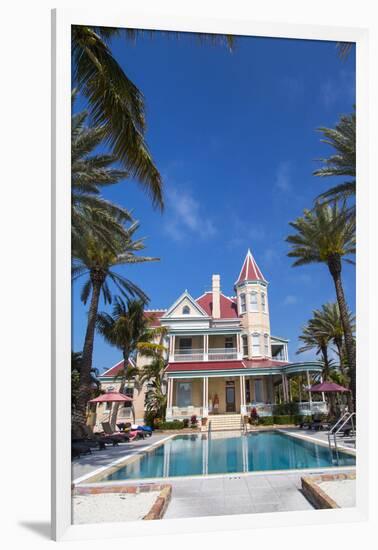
266	421
172	425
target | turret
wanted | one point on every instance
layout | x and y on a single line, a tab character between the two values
252	293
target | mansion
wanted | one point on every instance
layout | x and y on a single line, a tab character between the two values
222	357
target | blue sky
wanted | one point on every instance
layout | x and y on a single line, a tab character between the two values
235	138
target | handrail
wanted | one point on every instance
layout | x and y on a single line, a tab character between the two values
336	428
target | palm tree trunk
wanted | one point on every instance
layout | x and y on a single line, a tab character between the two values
85	387
334	265
339	345
121	389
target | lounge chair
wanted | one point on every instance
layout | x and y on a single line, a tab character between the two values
85	436
120	436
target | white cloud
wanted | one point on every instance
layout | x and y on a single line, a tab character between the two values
283	177
289	300
339	87
185	215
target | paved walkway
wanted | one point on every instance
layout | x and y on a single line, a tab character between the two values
321	436
88	463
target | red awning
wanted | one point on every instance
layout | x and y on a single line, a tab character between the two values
328	387
111	397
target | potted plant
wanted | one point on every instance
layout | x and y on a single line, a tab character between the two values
193	421
254	418
204	421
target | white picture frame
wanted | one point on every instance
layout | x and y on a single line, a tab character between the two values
62	20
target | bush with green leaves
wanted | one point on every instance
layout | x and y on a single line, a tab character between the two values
283	419
266	421
171	425
285	409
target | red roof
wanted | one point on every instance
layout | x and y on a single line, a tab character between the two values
205	365
228	309
261	363
111	397
250	270
154	316
115	369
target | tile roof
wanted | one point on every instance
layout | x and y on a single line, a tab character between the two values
154	316
228	308
115	369
250	271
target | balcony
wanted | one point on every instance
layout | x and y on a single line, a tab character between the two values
214	354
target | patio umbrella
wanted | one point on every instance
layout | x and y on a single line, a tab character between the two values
111	397
328	387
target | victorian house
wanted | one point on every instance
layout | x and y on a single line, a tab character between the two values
222	357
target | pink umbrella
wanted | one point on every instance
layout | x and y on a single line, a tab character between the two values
328	387
111	397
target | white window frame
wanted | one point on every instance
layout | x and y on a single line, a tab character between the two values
243	303
263	302
254	306
254	346
178	392
244	338
266	344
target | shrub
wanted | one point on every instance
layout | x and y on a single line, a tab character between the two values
186	422
193	421
254	416
149	418
285	409
171	425
266	420
283	419
299	418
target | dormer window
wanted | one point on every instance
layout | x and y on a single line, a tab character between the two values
242	303
253	299
186	310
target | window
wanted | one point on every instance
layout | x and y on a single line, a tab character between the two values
186	310
266	344
245	345
108	406
184	394
258	391
255	344
228	342
254	301
130	393
242	303
263	302
247	391
185	345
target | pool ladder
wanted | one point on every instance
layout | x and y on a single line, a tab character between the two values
335	431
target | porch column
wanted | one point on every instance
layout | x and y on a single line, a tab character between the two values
205	347
284	389
205	397
289	388
243	408
323	396
169	412
172	348
309	385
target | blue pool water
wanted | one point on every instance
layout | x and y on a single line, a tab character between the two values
221	453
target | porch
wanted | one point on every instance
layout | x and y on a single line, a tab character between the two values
205	347
208	395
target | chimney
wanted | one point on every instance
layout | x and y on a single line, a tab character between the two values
216	296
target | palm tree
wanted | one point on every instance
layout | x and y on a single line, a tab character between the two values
315	339
76	359
98	262
115	103
343	162
128	330
326	234
328	320
90	172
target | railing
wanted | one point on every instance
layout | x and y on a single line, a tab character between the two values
186	412
191	354
304	408
347	419
316	407
214	354
222	354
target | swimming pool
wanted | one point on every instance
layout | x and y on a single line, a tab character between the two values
224	453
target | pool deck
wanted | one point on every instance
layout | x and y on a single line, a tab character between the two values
218	494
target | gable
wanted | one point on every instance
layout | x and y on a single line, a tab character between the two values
185	307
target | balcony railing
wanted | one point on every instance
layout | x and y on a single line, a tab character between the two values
214	354
222	354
